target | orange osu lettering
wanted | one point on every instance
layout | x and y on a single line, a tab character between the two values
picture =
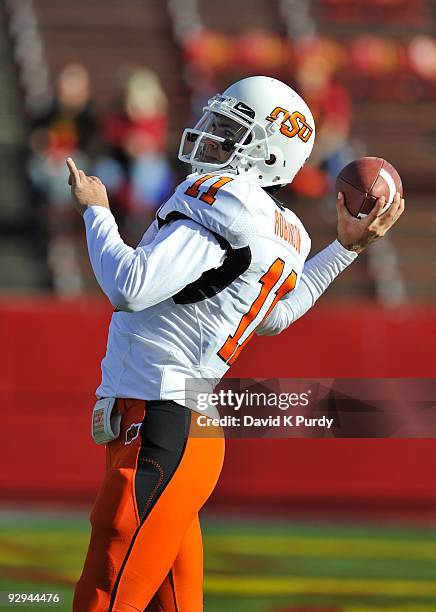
292	124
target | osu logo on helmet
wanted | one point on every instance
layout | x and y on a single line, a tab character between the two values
298	125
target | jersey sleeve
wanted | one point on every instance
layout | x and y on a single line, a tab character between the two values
135	279
318	273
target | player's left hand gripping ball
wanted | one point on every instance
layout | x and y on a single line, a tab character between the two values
86	190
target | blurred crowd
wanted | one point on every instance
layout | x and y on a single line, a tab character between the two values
125	147
373	54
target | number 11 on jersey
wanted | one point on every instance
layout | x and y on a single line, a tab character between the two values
208	196
230	350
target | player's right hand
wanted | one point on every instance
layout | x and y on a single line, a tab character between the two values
86	190
356	234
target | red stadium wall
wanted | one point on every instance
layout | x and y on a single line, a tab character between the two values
50	367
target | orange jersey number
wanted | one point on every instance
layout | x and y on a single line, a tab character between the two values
230	350
208	196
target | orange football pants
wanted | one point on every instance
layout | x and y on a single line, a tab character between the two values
145	552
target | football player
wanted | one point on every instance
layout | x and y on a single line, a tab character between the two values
224	259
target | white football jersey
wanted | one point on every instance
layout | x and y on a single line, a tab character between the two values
222	260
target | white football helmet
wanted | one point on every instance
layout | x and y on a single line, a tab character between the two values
258	126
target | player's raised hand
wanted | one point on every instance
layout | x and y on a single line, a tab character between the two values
356	234
86	190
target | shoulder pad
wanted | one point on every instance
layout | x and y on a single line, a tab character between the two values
216	201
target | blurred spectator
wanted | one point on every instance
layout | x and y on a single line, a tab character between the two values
126	149
134	165
262	52
68	127
208	50
331	107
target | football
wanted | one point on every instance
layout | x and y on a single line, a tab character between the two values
366	179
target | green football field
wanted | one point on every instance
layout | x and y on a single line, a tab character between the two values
250	566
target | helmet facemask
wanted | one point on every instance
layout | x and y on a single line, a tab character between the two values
226	132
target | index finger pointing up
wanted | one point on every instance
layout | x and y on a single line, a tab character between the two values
74	173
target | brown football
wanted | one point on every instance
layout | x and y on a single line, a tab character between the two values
366	179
